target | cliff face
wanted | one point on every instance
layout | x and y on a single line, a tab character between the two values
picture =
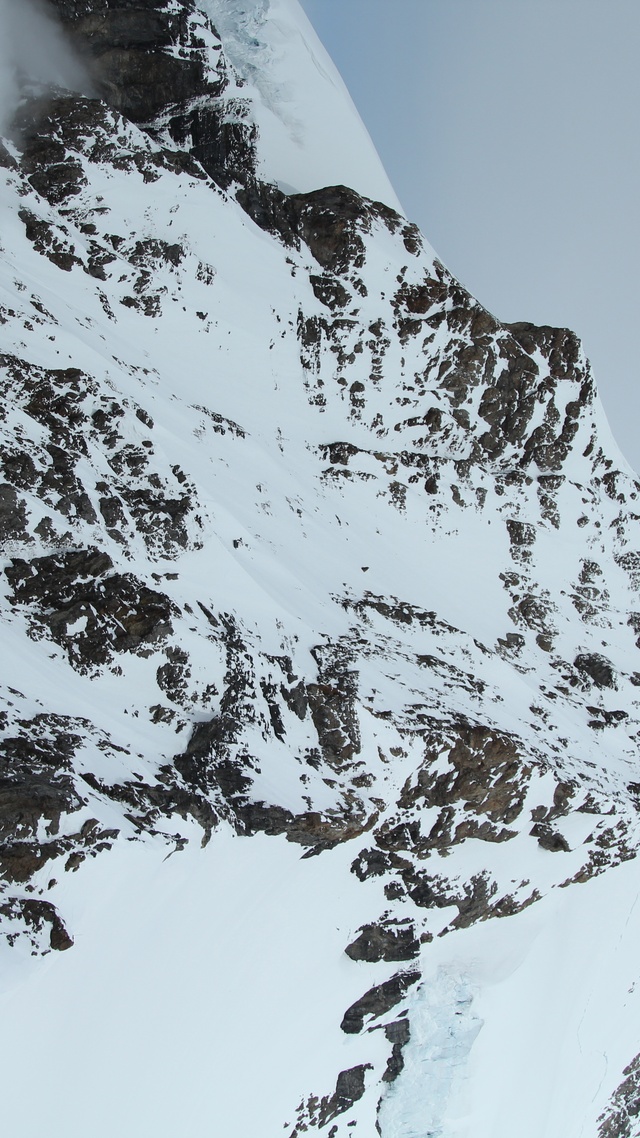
325	582
162	66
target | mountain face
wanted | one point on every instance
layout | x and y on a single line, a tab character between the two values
319	795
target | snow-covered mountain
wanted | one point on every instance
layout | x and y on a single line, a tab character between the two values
320	612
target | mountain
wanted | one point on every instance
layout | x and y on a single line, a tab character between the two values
319	799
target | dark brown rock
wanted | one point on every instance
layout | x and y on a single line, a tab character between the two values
388	940
399	1034
559	346
46	240
333	706
40	918
134	53
350	1087
521	533
89	610
474	905
36	782
620	1118
38	913
149	61
329	291
371	863
331	222
597	668
377	1001
13	515
550	839
486	773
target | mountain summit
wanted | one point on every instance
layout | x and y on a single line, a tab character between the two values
320	783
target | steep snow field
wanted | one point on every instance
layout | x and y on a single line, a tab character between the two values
204	991
311	132
202	995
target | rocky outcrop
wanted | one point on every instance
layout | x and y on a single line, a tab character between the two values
388	940
216	763
71	423
39	919
620	1120
378	1001
162	66
139	54
89	610
399	1034
350	1088
332	222
597	668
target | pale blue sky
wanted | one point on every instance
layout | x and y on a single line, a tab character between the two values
510	131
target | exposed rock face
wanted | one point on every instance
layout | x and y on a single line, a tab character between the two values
332	221
286	516
377	1001
161	65
131	48
399	1034
89	610
386	941
350	1088
37	787
37	917
597	668
621	1117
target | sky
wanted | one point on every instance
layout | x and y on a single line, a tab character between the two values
510	130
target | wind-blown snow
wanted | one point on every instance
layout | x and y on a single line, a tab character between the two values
311	132
33	52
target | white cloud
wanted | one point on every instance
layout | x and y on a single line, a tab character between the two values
33	53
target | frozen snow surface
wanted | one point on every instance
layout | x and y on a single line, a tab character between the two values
319	598
311	132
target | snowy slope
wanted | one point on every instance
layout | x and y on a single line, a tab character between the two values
320	612
311	134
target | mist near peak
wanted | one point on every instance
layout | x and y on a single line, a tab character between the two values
34	54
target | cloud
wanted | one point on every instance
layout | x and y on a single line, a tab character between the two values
34	53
